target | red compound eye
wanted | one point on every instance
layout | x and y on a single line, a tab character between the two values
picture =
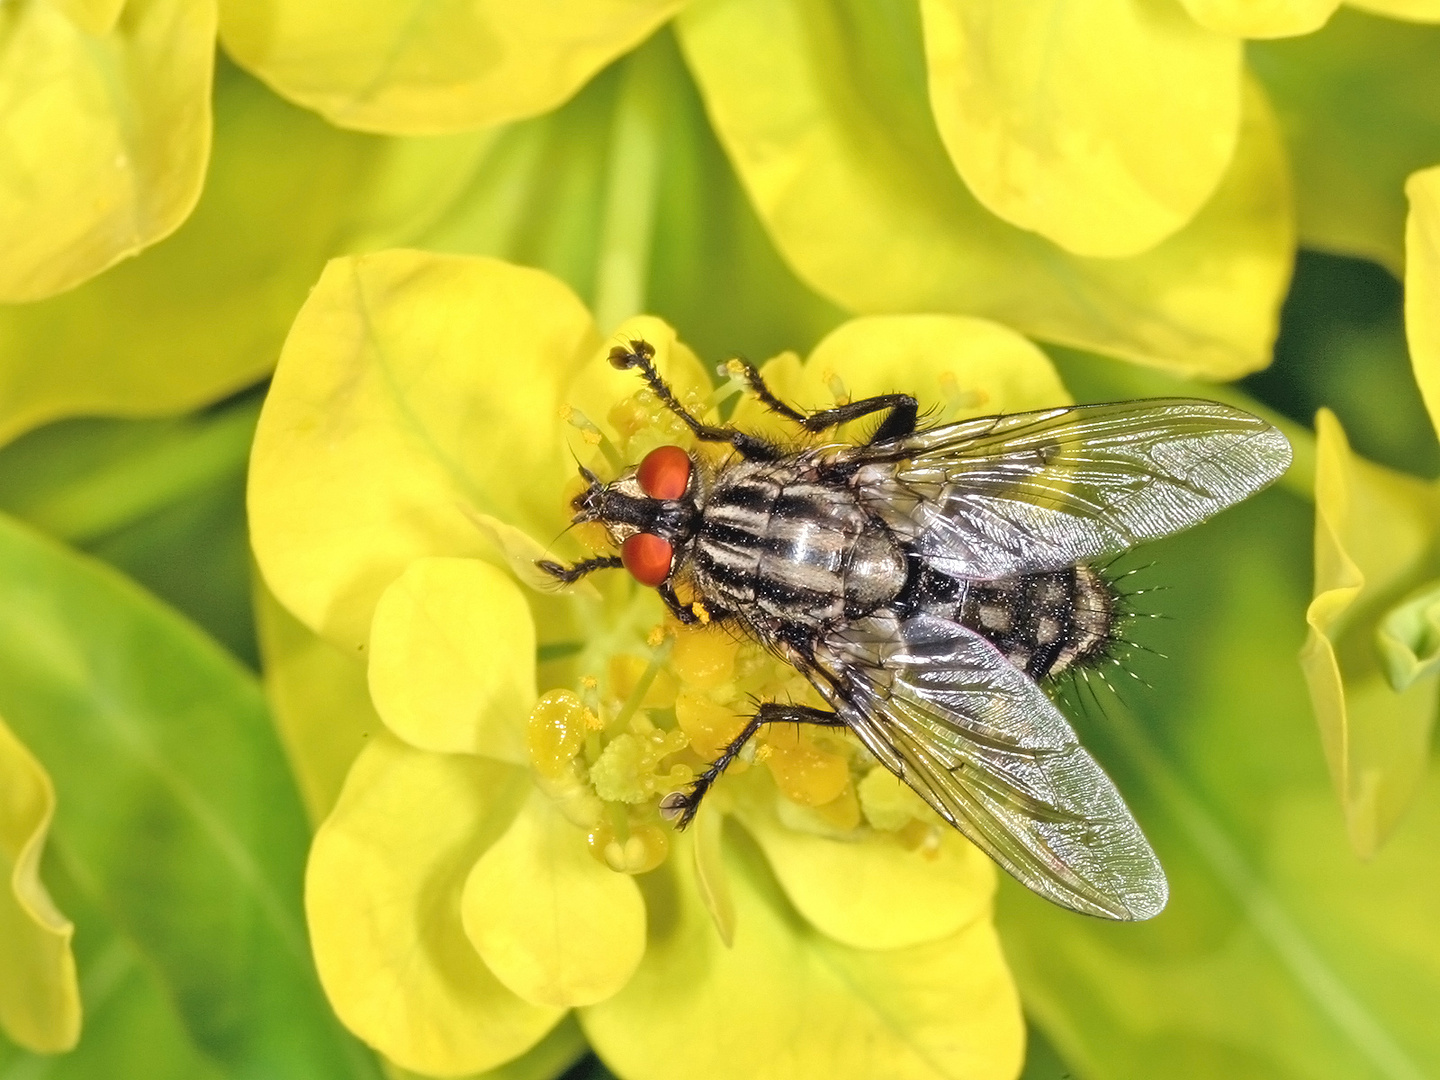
647	556
665	473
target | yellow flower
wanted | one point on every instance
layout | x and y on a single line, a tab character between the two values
496	856
1372	659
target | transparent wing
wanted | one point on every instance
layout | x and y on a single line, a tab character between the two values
984	746
1046	490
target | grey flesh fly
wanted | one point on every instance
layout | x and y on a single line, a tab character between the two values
926	581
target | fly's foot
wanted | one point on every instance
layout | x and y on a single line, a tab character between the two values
680	806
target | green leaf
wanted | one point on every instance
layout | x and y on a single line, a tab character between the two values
83	479
1409	639
132	1031
161	499
1280	953
176	810
1359	103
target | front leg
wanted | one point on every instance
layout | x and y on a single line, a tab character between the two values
573	573
682	805
640	355
904	410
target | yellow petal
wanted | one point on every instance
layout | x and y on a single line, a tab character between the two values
1103	125
786	1003
550	1057
1261	18
452	659
416	68
1422	285
39	994
1411	10
382	898
553	923
872	893
93	16
856	190
319	699
1373	534
707	859
413	389
106	138
955	366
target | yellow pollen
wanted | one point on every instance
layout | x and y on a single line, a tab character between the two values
764	753
589	682
701	613
656	637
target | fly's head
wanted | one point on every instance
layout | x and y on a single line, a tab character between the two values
649	512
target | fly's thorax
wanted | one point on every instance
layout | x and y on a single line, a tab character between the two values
786	548
1047	622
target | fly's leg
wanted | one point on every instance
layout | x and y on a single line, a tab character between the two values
901	422
683	612
573	573
682	805
691	613
641	355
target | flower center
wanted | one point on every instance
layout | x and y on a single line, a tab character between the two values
652	714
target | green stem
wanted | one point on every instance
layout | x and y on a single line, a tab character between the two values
631	189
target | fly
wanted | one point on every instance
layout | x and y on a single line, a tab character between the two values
926	581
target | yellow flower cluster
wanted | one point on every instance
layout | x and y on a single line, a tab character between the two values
1372	659
496	857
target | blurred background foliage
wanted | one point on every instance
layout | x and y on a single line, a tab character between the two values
129	662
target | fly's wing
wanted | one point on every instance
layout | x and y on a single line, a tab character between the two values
1046	490
984	746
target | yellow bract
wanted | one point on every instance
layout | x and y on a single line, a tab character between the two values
420	68
412	387
894	896
319	699
39	994
417	437
555	925
1422	285
441	676
382	896
106	137
1261	18
855	187
1103	125
1374	532
784	1001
